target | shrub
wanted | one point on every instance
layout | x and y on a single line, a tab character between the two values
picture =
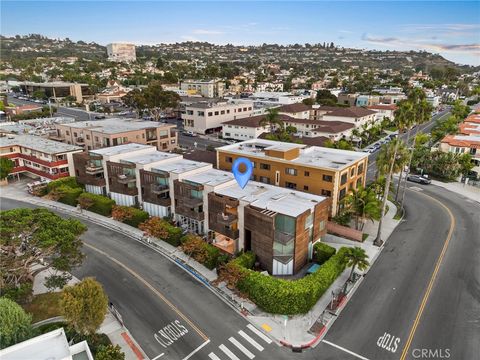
129	215
322	252
96	203
290	297
68	195
203	252
69	181
246	260
162	229
15	323
21	294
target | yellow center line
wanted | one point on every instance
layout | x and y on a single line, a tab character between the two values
432	278
155	291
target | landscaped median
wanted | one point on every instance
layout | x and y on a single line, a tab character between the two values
278	296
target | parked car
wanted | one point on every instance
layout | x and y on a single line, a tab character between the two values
98	117
419	179
189	133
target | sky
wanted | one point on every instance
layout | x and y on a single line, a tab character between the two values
450	28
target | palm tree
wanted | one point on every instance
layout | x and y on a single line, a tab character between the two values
401	119
363	204
272	119
356	257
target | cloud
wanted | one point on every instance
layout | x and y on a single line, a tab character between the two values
207	32
424	44
440	27
189	38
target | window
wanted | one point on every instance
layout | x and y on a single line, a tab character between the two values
228	159
305	187
216	113
264	179
96	138
88	137
327	178
227	134
322	225
222	112
201	113
290	185
352	172
67	132
343	179
342	193
360	169
309	221
307	173
291	171
326	193
210	113
239	110
244	109
228	111
264	166
189	112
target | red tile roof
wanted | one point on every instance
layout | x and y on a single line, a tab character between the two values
294	108
453	140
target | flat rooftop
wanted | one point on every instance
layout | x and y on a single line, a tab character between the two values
149	158
180	166
37	143
311	156
121	149
117	125
212	177
284	201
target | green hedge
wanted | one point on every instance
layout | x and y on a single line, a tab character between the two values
101	204
138	216
69	194
69	181
174	235
286	297
246	260
322	252
214	257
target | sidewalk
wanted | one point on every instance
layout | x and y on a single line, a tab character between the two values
469	191
111	326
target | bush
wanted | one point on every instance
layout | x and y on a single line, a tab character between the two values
246	260
15	323
96	203
21	294
129	215
286	297
68	195
95	341
163	230
203	252
322	252
69	181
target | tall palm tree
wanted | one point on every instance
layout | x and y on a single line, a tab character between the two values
272	119
356	257
401	119
363	204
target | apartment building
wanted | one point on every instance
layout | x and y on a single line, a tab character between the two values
35	156
280	225
355	115
296	111
206	88
111	132
59	89
121	52
312	169
383	111
207	117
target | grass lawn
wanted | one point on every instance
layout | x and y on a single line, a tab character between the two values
44	306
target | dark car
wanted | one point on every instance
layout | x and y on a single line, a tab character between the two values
99	117
419	179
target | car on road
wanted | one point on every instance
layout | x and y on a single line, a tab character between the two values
98	117
189	133
419	179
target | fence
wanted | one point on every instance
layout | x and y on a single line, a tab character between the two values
349	233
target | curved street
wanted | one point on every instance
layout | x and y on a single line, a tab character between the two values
169	312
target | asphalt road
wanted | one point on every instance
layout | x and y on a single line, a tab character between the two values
424	128
383	319
153	294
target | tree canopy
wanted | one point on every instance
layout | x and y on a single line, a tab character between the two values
36	238
15	323
6	166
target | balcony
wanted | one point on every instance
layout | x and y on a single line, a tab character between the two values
226	219
188	212
159	189
79	140
191	201
92	169
125	179
283	237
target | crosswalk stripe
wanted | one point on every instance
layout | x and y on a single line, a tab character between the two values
259	333
213	356
241	347
228	352
250	340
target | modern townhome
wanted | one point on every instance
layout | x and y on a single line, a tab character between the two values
208	116
98	134
280	225
312	169
35	156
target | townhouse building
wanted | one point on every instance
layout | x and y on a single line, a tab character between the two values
206	117
35	156
206	88
280	225
111	132
312	169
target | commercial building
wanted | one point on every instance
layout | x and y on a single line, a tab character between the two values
115	131
276	98
316	170
279	225
208	116
206	88
58	90
35	156
121	52
52	345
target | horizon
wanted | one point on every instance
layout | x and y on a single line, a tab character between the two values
451	29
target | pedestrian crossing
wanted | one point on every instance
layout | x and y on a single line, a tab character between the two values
242	346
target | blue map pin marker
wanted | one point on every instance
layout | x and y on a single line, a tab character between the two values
242	178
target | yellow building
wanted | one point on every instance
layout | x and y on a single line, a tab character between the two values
313	169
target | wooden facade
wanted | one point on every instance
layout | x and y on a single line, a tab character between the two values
152	191
86	172
121	178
